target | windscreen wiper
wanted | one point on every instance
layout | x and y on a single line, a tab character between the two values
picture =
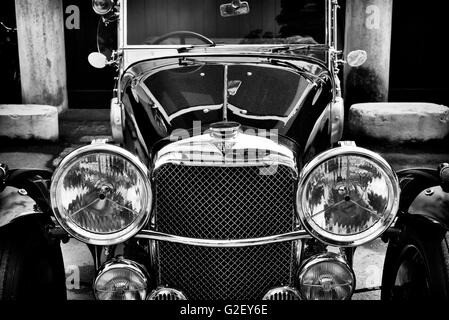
187	48
187	61
289	48
313	79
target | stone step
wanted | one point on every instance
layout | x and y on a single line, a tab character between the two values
29	121
398	123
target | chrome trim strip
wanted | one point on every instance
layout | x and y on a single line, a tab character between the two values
225	93
4	171
265	162
319	124
159	236
123	24
299	104
156	102
236	110
181	112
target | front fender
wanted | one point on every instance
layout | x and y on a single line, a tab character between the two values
432	204
423	197
26	193
15	204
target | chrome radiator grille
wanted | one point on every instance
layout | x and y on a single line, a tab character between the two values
224	203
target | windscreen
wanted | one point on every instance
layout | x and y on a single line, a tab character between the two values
202	22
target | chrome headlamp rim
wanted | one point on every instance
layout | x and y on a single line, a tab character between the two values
91	237
121	263
370	233
320	258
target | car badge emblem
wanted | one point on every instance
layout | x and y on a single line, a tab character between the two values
224	132
224	146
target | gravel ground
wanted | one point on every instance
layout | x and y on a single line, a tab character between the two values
368	262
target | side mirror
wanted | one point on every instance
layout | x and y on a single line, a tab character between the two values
97	60
102	7
356	58
234	8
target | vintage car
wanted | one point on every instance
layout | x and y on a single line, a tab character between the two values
227	177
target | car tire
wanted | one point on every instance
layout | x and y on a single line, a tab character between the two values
31	266
417	264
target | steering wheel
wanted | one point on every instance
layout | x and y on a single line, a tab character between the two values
182	35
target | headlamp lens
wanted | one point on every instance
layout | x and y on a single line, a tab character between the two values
101	194
326	278
347	197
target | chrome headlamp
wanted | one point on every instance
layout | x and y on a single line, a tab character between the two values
326	277
347	196
121	279
101	194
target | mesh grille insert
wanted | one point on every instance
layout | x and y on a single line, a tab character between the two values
224	203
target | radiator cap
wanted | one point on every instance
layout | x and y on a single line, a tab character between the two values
224	129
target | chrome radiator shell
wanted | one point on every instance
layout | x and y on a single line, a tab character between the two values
238	187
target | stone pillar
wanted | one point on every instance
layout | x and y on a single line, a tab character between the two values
40	33
368	27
